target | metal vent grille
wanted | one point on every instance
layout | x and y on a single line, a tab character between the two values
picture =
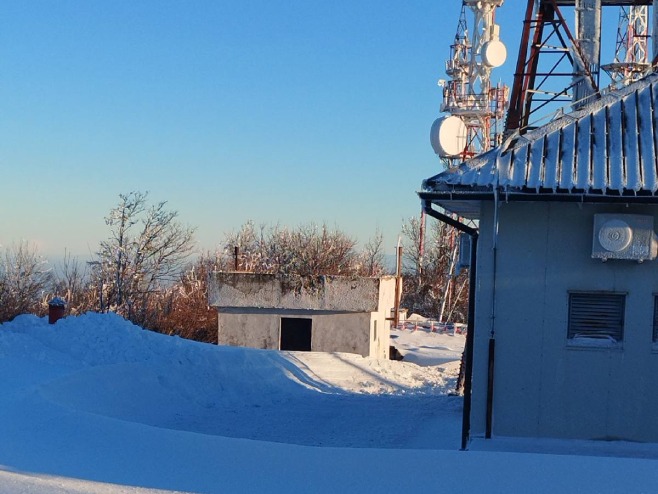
597	315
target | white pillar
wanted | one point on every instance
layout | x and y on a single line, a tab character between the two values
588	38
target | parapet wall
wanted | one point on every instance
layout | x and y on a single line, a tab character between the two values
270	291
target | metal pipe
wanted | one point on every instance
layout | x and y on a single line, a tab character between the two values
588	46
470	324
468	350
492	334
421	241
490	388
447	219
398	284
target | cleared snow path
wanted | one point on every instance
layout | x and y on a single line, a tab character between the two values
133	375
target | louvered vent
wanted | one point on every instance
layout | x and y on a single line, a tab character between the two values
596	315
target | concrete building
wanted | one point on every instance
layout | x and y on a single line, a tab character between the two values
304	313
564	328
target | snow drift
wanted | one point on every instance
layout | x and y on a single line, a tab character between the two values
96	404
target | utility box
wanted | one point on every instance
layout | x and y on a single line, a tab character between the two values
624	236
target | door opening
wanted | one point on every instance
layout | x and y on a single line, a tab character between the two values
295	334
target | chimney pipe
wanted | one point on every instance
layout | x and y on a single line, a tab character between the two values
587	58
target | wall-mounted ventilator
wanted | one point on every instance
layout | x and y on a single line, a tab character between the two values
624	236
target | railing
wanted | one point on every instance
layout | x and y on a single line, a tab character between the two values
451	328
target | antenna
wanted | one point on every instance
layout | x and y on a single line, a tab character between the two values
631	54
474	108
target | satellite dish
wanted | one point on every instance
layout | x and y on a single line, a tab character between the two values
448	136
494	53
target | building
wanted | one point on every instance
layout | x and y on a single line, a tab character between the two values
304	313
564	326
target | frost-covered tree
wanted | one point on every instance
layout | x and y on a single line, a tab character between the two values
305	250
147	248
371	258
73	283
25	279
432	286
182	308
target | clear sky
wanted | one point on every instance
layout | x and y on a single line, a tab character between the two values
292	112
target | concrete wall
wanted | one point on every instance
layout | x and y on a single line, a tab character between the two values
380	333
543	386
337	293
348	314
331	332
249	328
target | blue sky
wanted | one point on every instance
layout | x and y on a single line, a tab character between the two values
278	112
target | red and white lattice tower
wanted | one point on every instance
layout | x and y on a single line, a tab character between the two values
474	108
632	49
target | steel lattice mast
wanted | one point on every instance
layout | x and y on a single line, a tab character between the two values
632	48
557	70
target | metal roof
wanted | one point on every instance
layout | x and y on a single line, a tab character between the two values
605	151
607	3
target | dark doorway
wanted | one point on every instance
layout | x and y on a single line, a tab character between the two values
295	334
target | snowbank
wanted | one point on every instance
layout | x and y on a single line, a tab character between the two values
96	404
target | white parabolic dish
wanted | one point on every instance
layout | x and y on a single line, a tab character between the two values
494	53
448	136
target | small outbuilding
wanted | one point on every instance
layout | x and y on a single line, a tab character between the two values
564	309
304	313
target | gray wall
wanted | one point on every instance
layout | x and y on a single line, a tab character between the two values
380	340
331	332
543	387
345	311
337	293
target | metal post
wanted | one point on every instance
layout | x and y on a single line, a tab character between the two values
421	241
490	388
398	285
468	350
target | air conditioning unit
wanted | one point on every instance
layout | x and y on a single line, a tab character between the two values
624	236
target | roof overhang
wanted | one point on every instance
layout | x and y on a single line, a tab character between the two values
606	152
468	204
607	3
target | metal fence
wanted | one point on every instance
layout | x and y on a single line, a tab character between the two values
434	326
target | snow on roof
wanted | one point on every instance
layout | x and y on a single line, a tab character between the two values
606	149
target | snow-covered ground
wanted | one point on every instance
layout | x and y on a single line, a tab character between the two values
95	404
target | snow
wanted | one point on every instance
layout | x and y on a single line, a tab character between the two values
95	404
425	347
57	302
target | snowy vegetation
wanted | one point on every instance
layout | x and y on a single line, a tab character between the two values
146	269
432	286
